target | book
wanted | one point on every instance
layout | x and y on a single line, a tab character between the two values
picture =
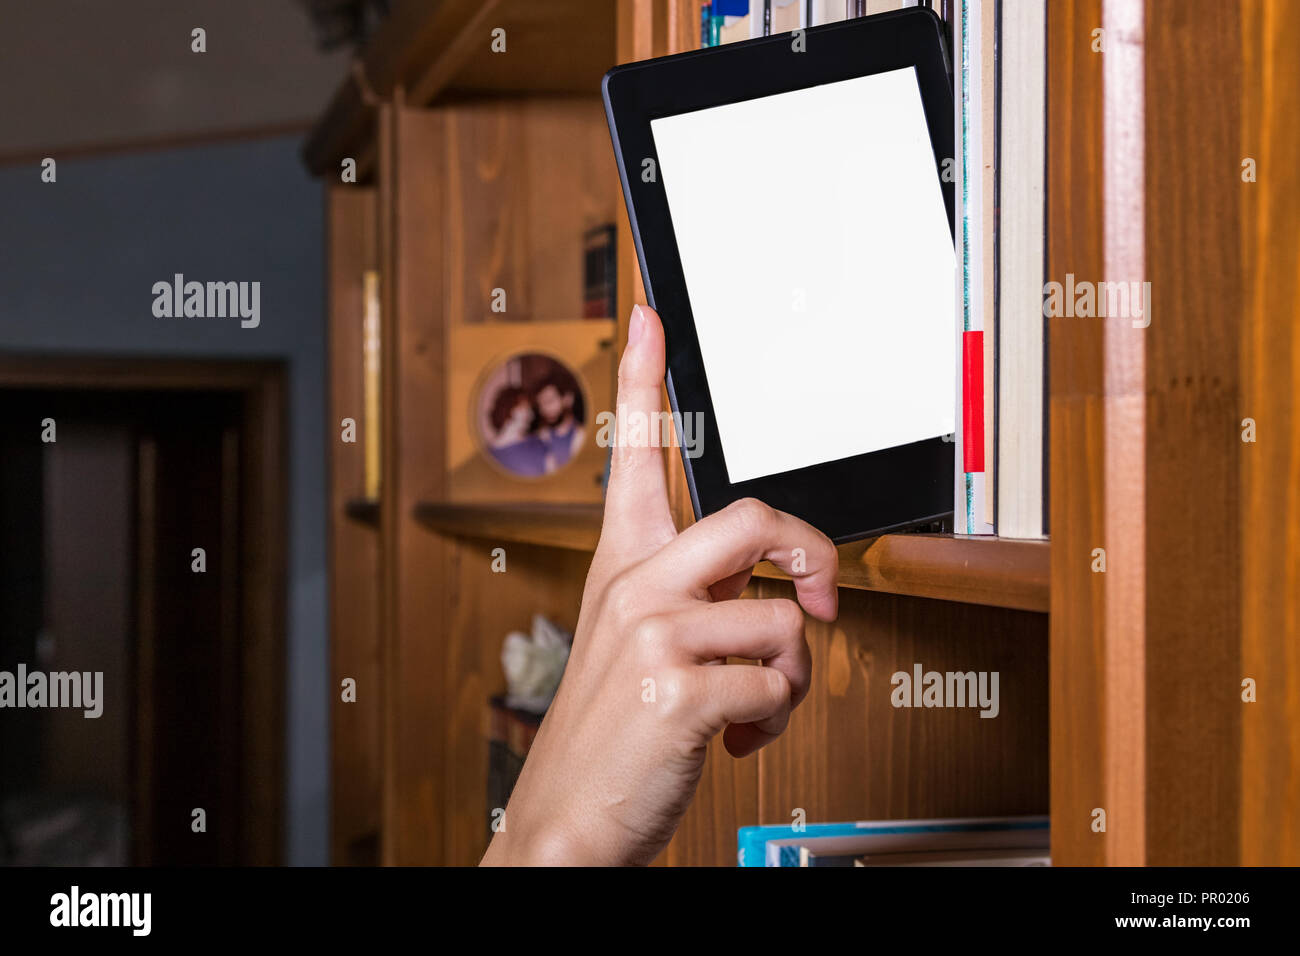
899	849
1022	137
726	21
599	281
753	841
735	28
826	11
763	18
957	858
370	339
787	15
851	9
972	513
981	835
988	124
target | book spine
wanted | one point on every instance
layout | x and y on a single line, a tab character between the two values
961	486
1022	426
969	509
988	69
755	848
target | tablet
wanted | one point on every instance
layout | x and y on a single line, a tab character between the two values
794	228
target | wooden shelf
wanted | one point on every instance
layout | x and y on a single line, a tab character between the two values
429	112
973	570
476	158
994	571
574	527
440	51
364	510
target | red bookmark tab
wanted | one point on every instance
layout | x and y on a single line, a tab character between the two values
972	401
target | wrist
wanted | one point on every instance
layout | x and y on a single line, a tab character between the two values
534	846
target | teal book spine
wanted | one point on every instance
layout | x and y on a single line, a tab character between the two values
753	848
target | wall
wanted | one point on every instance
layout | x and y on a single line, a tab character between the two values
78	259
85	73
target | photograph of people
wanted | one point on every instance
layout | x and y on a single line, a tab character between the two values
532	414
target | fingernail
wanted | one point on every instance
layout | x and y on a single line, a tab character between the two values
636	328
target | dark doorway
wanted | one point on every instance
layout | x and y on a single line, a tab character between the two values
141	510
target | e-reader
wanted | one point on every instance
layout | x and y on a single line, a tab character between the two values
793	217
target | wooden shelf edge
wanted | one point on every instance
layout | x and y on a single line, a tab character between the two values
1001	572
363	510
575	527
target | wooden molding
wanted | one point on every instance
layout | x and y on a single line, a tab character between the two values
1125	424
996	572
572	527
1270	467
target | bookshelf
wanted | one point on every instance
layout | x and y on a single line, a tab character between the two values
1120	690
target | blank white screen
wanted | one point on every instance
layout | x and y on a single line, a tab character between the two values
819	266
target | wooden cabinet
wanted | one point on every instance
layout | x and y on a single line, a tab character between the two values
1119	690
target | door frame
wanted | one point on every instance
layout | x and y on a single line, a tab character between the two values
261	383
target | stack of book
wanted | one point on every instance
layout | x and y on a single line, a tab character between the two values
1000	77
997	52
974	841
726	21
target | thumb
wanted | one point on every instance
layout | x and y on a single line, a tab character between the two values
638	520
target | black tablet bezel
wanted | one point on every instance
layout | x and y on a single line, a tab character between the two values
851	497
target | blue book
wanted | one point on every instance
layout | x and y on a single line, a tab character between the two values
778	845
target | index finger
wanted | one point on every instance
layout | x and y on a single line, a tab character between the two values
637	514
746	532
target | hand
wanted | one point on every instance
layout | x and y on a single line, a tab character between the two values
618	757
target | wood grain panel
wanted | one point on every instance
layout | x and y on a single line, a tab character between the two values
996	572
415	564
1125	352
849	754
575	527
1270	467
555	46
1193	447
1076	436
1147	713
974	570
485	606
263	558
357	742
527	178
